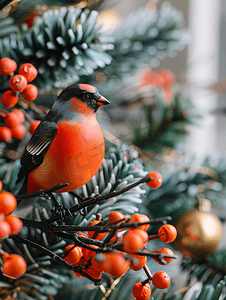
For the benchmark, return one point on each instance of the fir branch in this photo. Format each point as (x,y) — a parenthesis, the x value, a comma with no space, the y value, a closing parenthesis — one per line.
(62,45)
(121,163)
(141,40)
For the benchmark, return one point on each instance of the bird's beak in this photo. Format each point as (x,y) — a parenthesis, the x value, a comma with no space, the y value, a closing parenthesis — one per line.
(102,101)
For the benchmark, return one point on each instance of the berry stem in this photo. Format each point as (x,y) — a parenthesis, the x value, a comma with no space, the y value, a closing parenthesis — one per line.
(110,236)
(159,256)
(54,256)
(153,237)
(148,273)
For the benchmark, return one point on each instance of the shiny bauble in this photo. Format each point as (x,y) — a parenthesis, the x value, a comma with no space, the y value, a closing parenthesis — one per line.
(198,233)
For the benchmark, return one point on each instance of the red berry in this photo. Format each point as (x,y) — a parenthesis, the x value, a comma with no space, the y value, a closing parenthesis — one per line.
(166,78)
(100,235)
(141,292)
(9,99)
(14,266)
(167,233)
(5,229)
(74,255)
(140,218)
(134,240)
(165,251)
(15,224)
(5,256)
(156,180)
(98,261)
(18,83)
(117,265)
(93,273)
(87,253)
(18,132)
(82,234)
(11,120)
(7,66)
(20,114)
(5,134)
(82,261)
(33,126)
(30,93)
(138,261)
(28,71)
(113,263)
(7,203)
(161,280)
(0,185)
(115,216)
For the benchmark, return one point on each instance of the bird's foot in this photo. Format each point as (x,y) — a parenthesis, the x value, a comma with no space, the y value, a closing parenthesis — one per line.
(62,211)
(59,209)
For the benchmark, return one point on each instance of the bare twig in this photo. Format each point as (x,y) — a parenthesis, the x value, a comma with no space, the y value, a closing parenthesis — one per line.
(53,255)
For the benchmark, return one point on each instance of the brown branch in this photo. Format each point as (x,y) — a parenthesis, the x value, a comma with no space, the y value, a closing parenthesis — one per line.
(54,256)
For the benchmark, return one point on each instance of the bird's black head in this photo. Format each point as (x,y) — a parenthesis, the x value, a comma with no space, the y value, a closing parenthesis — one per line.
(86,93)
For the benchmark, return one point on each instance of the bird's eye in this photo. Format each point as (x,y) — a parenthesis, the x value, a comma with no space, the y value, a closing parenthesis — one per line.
(86,97)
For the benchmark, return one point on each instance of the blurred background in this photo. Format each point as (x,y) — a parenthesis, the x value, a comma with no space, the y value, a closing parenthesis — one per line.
(201,63)
(162,66)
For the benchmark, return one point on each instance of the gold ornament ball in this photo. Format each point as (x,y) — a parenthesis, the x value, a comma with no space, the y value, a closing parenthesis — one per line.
(198,233)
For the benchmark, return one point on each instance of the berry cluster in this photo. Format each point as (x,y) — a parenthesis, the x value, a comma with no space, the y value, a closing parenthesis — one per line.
(13,265)
(13,127)
(122,245)
(9,225)
(142,290)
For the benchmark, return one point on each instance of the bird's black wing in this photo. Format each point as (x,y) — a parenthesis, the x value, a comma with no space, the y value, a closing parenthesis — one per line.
(37,147)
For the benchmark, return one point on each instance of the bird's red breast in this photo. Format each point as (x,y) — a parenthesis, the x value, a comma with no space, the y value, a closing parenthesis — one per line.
(74,156)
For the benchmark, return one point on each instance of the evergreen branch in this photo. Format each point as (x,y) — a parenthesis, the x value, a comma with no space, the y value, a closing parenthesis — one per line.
(141,40)
(144,35)
(63,44)
(120,163)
